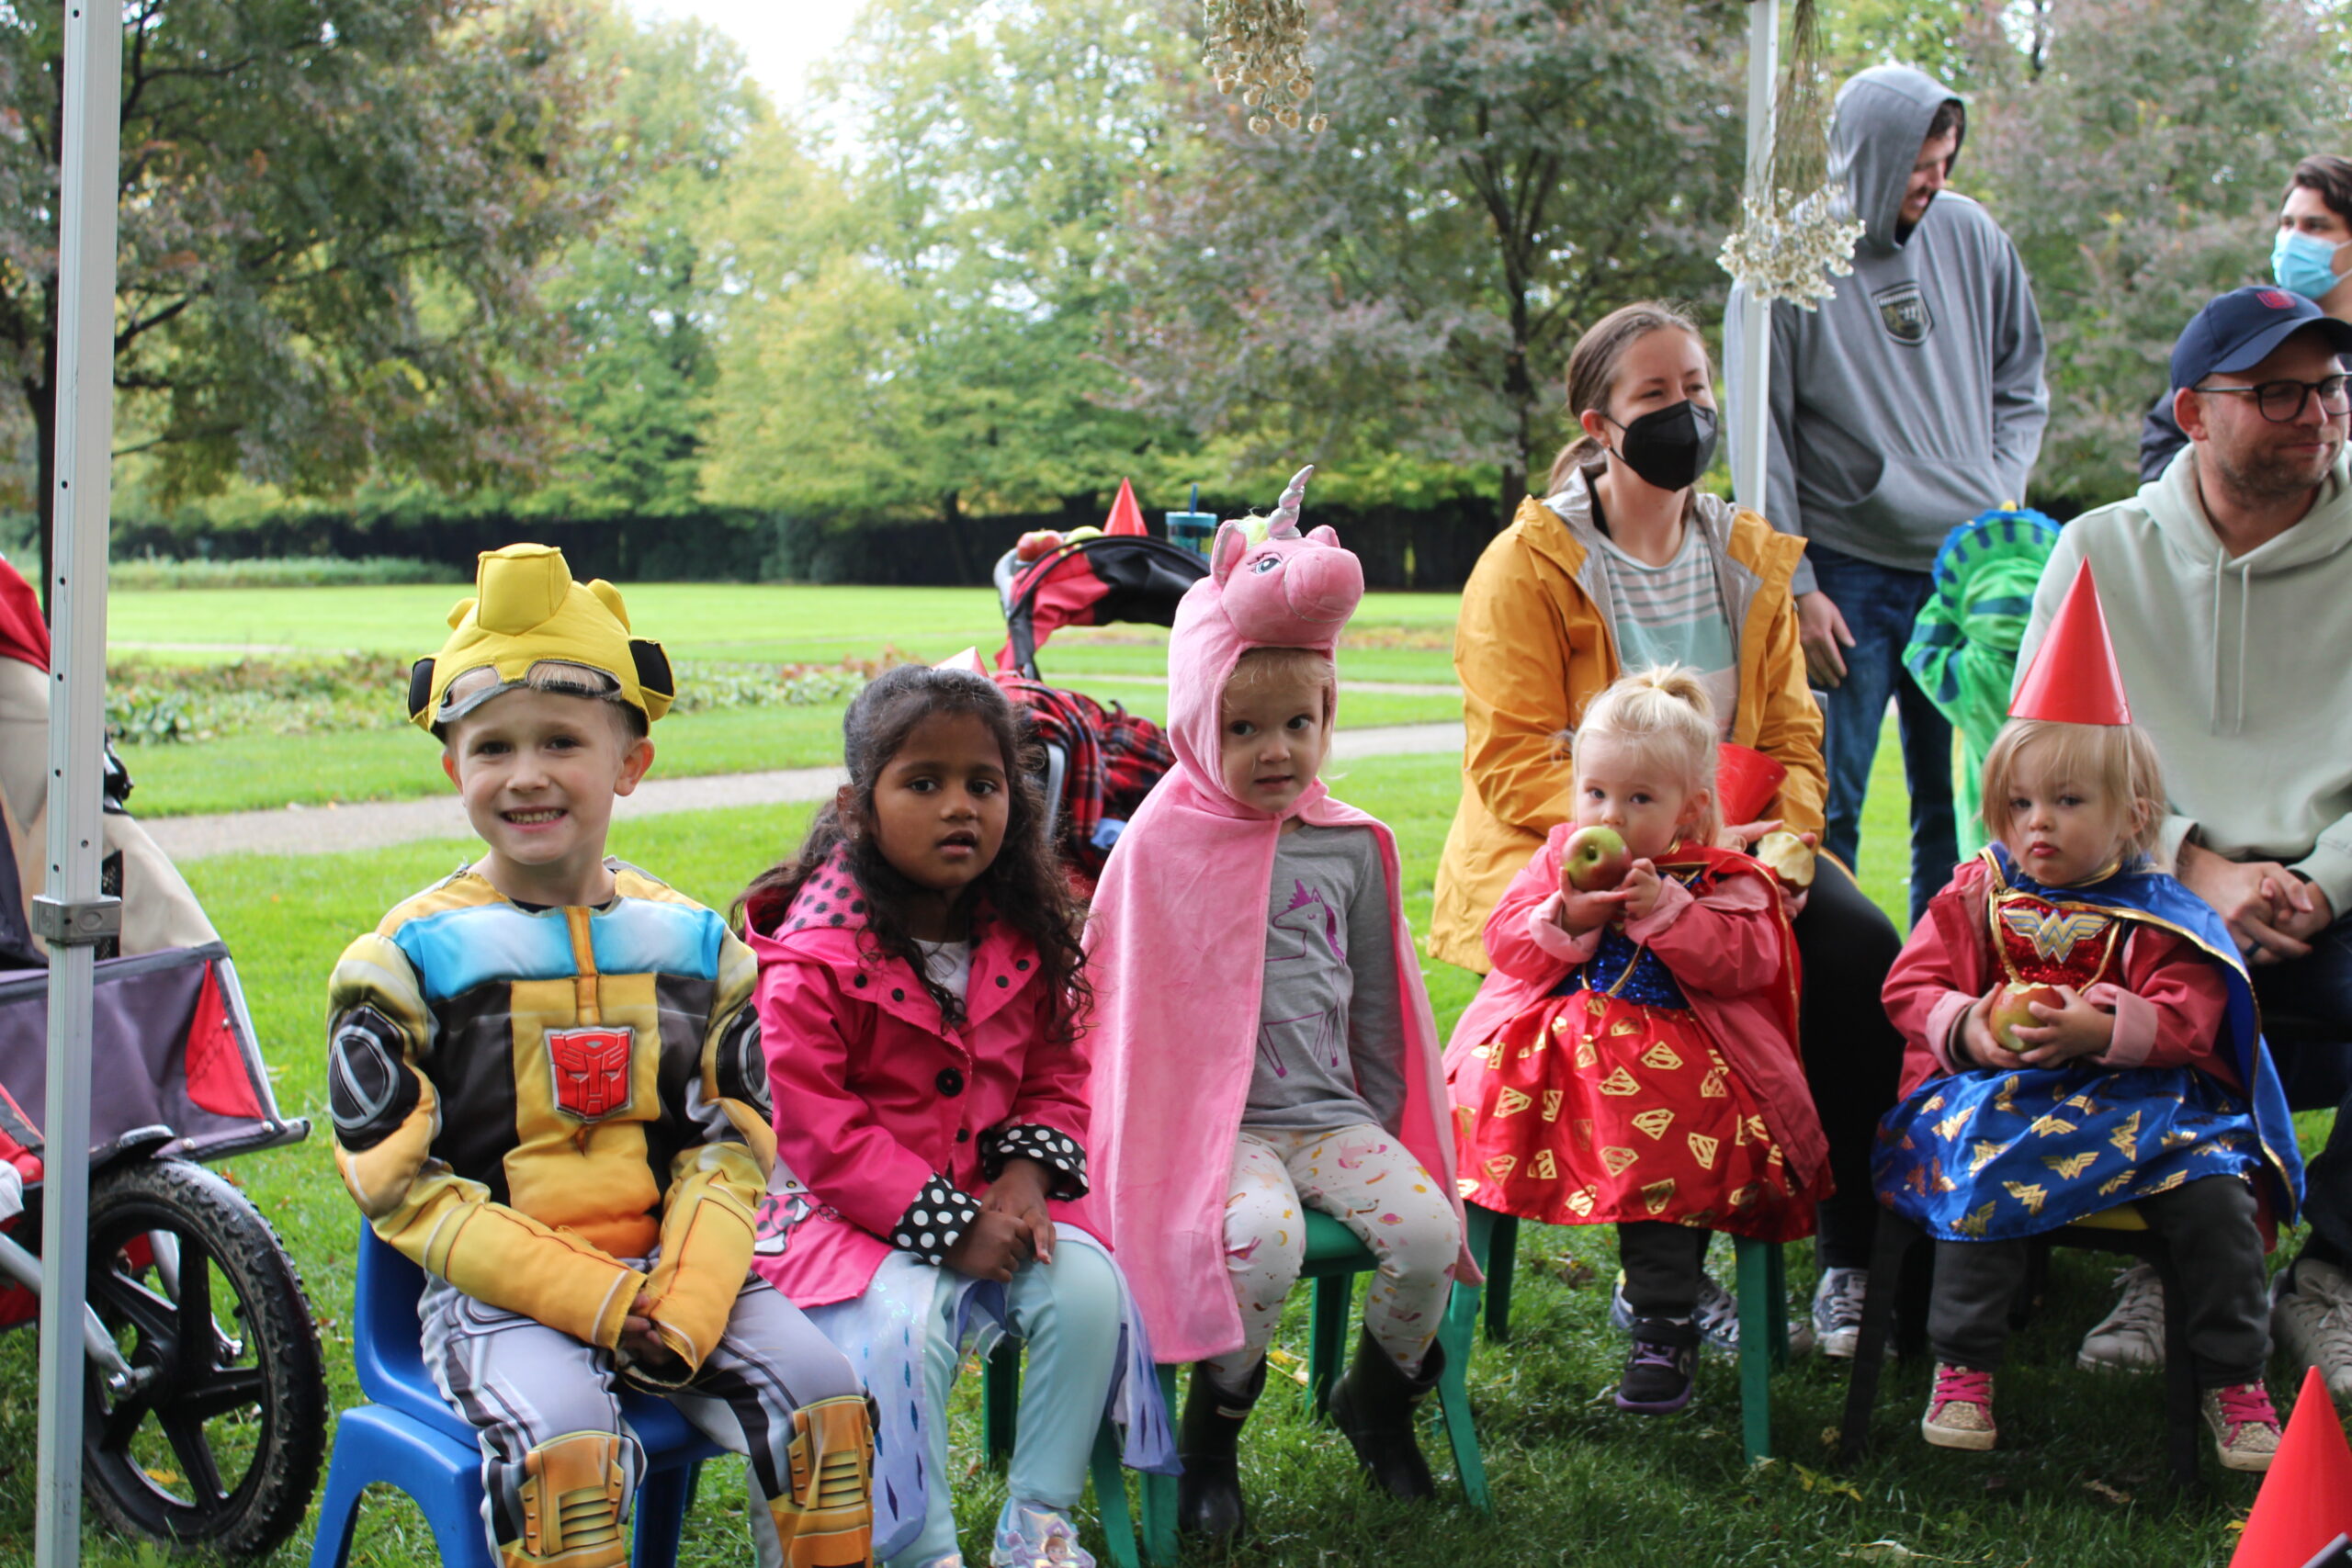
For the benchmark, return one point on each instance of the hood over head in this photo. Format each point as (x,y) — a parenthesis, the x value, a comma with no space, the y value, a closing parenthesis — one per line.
(1875,132)
(1280,589)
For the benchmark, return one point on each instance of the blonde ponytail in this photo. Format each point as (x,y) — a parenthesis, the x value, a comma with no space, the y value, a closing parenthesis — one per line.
(1664,714)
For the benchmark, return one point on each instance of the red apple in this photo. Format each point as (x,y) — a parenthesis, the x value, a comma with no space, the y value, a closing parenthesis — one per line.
(1787,857)
(2012,1012)
(1595,859)
(1030,547)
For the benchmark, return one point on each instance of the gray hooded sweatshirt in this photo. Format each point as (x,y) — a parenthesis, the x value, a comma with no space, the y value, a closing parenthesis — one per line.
(2234,665)
(1914,400)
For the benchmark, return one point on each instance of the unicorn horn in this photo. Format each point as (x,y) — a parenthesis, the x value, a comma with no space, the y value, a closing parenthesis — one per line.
(1284,524)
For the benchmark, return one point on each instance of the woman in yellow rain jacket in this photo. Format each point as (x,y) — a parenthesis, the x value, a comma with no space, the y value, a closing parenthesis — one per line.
(1626,564)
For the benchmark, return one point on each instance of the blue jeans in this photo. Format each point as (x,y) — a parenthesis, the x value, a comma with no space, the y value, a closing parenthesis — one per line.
(2307,1016)
(1879,603)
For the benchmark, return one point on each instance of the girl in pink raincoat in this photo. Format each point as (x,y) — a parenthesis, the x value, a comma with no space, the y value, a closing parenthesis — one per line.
(918,1000)
(1262,1041)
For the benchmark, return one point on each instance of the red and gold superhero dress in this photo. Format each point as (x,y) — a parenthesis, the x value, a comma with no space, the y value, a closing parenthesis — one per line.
(1607,1100)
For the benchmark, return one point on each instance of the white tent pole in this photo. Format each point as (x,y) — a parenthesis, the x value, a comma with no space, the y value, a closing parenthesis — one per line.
(71,915)
(1755,329)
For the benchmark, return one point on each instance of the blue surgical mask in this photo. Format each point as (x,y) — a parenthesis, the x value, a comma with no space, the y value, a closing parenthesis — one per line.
(2303,264)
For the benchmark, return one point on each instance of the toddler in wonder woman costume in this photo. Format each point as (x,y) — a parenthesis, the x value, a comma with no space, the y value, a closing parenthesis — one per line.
(1649,1074)
(2135,1076)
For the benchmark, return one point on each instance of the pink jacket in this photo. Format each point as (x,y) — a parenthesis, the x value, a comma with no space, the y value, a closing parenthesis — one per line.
(874,1095)
(1176,952)
(1730,951)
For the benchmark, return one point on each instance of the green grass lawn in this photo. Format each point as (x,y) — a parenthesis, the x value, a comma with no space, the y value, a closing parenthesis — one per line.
(2078,1481)
(258,770)
(692,620)
(1406,637)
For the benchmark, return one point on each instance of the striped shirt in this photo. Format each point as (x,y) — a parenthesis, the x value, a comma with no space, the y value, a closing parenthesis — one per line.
(1674,614)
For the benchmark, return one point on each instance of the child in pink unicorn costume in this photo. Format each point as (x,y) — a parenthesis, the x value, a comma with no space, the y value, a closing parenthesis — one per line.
(1240,1076)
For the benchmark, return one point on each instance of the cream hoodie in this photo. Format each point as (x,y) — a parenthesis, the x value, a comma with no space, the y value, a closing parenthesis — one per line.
(2240,669)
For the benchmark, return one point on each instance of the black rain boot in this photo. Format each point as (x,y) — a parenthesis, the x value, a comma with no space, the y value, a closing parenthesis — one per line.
(1373,1405)
(1208,1495)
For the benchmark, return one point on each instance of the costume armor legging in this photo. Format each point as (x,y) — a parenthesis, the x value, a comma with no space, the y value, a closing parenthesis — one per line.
(1367,1180)
(530,1391)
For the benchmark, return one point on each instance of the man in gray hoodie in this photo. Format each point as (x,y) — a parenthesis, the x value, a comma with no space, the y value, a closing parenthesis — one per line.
(1902,408)
(2227,584)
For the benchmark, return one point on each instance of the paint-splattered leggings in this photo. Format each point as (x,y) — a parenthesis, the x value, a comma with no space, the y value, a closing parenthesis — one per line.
(1365,1179)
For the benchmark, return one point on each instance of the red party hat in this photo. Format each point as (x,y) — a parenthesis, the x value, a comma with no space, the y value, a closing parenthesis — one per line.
(1126,518)
(2306,1500)
(2074,678)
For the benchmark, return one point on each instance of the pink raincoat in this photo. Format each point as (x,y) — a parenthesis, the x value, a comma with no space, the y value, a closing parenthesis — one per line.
(873,1093)
(1755,1027)
(1176,952)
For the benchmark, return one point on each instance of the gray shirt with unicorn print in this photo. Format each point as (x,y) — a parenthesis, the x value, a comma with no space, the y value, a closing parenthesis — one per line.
(1330,1047)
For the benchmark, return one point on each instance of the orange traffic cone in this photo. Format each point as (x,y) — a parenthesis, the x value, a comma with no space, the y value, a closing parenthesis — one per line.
(1126,517)
(2306,1500)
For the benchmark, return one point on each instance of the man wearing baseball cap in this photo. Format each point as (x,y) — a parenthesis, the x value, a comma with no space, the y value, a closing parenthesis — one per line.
(2228,585)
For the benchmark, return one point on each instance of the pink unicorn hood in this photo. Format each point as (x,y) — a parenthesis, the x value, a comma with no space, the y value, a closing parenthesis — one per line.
(1176,946)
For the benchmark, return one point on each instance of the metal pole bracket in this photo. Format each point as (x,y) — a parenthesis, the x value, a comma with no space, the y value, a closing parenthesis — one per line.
(66,922)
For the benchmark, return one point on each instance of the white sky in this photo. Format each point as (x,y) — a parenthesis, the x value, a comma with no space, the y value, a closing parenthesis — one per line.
(782,37)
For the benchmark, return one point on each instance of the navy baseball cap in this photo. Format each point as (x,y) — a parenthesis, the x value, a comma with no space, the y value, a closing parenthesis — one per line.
(2239,330)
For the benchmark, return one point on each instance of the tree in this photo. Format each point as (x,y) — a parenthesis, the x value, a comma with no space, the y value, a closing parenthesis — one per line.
(2139,172)
(1494,178)
(332,216)
(907,327)
(635,299)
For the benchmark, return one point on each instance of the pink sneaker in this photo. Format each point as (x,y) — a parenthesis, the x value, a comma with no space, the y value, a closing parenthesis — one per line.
(1960,1411)
(2246,1429)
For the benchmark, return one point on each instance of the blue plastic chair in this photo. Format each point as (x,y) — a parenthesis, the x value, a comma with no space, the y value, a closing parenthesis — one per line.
(409,1438)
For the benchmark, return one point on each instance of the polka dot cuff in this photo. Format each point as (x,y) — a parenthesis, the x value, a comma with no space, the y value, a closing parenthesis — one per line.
(940,1213)
(1057,1152)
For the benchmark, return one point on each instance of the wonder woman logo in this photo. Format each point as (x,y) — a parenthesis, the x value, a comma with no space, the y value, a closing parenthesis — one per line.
(2055,934)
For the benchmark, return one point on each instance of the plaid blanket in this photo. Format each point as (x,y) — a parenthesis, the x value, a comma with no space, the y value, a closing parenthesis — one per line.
(1113,758)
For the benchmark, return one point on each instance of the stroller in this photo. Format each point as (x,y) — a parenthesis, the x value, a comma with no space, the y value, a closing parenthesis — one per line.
(205,1414)
(1099,763)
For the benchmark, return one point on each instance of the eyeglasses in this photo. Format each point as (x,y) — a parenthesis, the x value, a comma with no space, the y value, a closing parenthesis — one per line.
(2281,402)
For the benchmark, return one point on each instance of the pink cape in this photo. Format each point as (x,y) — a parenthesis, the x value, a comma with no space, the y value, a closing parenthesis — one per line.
(1176,952)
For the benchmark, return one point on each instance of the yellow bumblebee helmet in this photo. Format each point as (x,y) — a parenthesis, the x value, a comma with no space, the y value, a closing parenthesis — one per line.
(529,624)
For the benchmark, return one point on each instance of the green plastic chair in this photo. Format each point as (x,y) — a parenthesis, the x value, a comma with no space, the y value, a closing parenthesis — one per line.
(1763,1315)
(1334,1258)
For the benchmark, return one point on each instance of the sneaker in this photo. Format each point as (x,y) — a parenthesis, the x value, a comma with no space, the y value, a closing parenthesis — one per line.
(1032,1537)
(1960,1411)
(1717,1316)
(1657,1379)
(2246,1429)
(2132,1337)
(1837,1311)
(2310,1318)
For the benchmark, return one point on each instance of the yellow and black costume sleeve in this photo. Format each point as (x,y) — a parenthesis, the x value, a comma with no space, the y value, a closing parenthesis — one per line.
(525,1101)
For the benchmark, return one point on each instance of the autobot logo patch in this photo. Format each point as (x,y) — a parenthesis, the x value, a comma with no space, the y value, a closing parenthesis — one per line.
(590,1070)
(1904,310)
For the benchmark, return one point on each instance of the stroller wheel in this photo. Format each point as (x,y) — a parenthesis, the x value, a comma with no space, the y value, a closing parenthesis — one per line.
(214,1438)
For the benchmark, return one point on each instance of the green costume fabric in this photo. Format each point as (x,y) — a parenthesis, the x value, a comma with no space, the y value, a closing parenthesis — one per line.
(1964,649)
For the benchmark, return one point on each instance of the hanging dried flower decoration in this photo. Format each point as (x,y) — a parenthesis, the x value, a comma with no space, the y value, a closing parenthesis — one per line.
(1258,48)
(1787,246)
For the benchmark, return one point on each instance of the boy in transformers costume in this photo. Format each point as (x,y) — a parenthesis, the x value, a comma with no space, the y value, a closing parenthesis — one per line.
(549,1093)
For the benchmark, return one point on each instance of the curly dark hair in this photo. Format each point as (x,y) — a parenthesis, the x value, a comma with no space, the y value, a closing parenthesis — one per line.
(1024,886)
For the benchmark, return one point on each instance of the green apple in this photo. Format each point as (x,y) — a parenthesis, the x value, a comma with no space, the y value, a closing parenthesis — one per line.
(1595,859)
(2012,1010)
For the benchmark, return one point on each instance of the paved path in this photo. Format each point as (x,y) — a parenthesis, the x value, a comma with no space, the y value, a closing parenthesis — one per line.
(1389,688)
(332,829)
